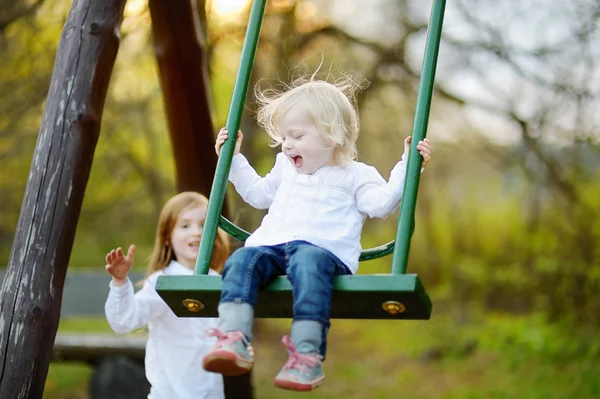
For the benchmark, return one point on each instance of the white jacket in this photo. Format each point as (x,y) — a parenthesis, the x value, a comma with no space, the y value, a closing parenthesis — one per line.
(175,345)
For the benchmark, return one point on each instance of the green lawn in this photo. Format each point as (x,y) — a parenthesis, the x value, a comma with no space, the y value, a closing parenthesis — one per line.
(491,357)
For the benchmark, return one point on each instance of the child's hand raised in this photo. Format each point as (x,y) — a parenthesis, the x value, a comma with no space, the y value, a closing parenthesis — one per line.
(118,264)
(222,136)
(424,148)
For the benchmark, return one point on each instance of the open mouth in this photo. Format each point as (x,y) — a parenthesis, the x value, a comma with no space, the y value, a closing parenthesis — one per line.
(297,161)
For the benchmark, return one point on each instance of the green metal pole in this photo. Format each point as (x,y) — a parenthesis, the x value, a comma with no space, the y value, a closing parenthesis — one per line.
(219,186)
(409,198)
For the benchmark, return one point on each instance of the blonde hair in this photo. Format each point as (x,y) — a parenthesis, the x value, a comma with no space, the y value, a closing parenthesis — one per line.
(331,106)
(163,253)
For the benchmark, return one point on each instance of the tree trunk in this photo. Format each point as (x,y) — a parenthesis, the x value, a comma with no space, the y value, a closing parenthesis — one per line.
(181,56)
(31,294)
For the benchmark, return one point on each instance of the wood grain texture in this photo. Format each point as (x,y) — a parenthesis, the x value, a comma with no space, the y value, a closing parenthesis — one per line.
(182,65)
(30,298)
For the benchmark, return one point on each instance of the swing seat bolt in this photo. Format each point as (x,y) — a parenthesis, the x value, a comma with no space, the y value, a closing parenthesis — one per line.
(193,305)
(393,307)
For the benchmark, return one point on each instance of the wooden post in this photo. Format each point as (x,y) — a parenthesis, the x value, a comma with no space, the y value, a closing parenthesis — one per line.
(181,57)
(30,297)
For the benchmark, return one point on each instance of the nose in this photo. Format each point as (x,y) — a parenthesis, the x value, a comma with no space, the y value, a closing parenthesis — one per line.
(287,144)
(197,230)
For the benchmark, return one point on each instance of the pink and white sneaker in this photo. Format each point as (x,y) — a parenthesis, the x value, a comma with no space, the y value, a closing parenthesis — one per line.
(302,371)
(231,355)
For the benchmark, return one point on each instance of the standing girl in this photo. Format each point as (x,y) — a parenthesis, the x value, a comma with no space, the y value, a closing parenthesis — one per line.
(318,198)
(175,345)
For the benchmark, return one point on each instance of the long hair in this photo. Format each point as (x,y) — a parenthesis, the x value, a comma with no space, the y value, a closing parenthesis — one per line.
(163,253)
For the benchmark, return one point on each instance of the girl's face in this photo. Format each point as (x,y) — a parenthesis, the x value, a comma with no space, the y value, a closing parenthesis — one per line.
(185,237)
(302,143)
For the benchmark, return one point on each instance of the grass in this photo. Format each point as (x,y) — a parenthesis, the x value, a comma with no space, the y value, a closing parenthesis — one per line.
(493,357)
(438,359)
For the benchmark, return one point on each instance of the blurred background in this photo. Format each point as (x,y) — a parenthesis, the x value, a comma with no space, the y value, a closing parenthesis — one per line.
(507,238)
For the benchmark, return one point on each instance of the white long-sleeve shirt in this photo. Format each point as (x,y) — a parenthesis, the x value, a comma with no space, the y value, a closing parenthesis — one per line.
(175,346)
(327,208)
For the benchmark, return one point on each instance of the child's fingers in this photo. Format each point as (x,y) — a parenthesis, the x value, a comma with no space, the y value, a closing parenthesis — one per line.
(424,150)
(407,144)
(223,133)
(424,144)
(131,252)
(220,141)
(110,257)
(424,147)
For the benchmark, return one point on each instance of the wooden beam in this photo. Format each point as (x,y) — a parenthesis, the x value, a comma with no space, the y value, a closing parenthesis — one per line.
(31,293)
(182,65)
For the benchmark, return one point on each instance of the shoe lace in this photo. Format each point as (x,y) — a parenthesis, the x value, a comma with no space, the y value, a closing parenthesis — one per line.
(296,360)
(225,338)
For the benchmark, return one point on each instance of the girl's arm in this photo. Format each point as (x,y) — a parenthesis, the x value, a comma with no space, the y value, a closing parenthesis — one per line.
(377,198)
(374,196)
(257,191)
(126,311)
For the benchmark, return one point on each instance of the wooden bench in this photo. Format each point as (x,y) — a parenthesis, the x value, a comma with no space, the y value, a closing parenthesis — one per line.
(91,348)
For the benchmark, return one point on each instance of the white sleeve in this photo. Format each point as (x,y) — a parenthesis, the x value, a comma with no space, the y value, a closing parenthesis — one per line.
(126,311)
(376,197)
(257,191)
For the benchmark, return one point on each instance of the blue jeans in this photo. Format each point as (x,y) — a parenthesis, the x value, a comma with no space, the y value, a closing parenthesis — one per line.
(309,268)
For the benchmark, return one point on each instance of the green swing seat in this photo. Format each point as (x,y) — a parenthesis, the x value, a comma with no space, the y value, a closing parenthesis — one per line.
(394,296)
(382,296)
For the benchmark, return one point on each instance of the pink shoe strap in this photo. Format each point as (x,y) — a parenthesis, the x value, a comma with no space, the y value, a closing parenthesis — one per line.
(225,337)
(297,360)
